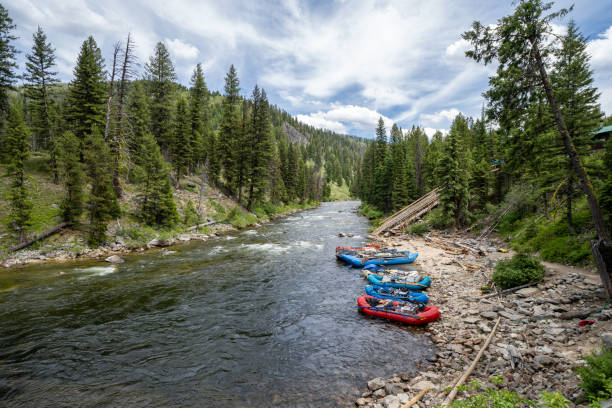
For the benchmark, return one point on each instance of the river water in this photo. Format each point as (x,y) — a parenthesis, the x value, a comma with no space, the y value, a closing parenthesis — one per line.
(262,317)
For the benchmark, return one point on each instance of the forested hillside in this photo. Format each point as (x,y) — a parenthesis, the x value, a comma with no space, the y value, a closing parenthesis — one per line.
(118,142)
(509,169)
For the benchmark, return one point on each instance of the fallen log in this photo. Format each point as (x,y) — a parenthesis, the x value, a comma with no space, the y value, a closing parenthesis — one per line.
(201,225)
(45,234)
(514,289)
(464,377)
(416,397)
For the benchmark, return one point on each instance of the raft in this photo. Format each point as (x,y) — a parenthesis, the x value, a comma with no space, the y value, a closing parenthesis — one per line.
(392,312)
(395,294)
(421,285)
(378,259)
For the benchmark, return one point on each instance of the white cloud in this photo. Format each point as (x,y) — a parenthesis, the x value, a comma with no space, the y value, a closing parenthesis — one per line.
(181,49)
(446,115)
(430,131)
(347,117)
(601,63)
(318,120)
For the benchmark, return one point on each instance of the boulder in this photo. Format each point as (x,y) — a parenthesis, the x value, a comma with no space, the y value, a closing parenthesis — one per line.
(153,243)
(471,320)
(114,259)
(510,316)
(607,340)
(488,315)
(527,292)
(361,402)
(392,389)
(379,393)
(391,401)
(422,384)
(403,398)
(376,384)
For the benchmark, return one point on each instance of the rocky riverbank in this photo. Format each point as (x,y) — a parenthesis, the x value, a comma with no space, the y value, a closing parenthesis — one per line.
(538,342)
(74,248)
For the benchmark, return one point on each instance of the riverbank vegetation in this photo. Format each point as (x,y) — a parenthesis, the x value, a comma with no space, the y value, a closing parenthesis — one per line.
(117,146)
(510,170)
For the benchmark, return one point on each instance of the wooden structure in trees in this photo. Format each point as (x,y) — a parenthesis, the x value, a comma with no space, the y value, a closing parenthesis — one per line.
(409,213)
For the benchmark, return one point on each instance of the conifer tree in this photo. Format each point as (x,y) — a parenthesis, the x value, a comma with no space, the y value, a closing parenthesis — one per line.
(399,194)
(182,152)
(17,134)
(40,79)
(454,176)
(214,162)
(198,115)
(160,73)
(157,200)
(479,184)
(291,183)
(68,151)
(138,119)
(259,146)
(86,94)
(103,205)
(229,132)
(8,64)
(381,143)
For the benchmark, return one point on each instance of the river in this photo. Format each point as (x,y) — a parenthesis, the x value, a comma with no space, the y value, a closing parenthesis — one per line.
(262,317)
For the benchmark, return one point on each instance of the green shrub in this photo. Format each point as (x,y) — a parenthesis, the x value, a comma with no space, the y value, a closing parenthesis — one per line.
(190,215)
(519,270)
(370,212)
(504,398)
(596,375)
(567,250)
(240,218)
(420,228)
(438,220)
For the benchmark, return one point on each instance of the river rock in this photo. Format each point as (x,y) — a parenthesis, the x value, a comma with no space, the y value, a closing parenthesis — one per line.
(471,320)
(527,292)
(393,388)
(391,401)
(544,360)
(379,393)
(114,259)
(342,234)
(488,315)
(361,401)
(421,385)
(376,384)
(153,243)
(403,398)
(607,340)
(510,316)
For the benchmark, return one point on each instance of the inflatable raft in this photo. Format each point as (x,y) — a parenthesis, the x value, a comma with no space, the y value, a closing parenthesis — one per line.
(378,258)
(378,280)
(396,311)
(395,294)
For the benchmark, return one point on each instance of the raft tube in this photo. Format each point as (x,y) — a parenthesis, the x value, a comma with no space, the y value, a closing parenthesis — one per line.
(428,314)
(390,293)
(377,259)
(421,285)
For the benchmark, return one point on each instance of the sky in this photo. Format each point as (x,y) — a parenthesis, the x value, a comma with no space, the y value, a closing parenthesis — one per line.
(338,65)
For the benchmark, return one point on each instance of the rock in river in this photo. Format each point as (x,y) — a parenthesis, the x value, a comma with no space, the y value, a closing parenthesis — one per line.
(114,259)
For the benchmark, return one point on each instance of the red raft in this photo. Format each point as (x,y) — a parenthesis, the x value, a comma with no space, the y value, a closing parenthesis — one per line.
(367,304)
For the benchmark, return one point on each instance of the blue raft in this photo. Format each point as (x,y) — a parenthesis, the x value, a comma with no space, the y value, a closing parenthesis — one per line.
(421,285)
(379,259)
(390,293)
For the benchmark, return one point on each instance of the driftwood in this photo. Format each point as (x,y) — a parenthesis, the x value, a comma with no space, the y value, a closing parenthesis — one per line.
(201,225)
(465,375)
(45,234)
(514,289)
(416,397)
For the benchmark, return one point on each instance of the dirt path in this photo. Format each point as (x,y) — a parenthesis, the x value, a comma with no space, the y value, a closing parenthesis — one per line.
(537,345)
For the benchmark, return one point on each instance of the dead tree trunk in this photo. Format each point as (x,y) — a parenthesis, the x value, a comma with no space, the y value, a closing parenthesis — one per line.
(45,234)
(602,250)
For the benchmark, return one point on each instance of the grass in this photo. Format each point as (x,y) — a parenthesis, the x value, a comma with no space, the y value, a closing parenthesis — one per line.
(339,193)
(551,239)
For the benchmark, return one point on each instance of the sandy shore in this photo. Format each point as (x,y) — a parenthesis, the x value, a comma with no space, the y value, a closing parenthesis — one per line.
(536,346)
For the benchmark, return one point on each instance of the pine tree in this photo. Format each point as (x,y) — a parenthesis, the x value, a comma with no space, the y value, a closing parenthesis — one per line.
(40,79)
(138,119)
(87,94)
(399,194)
(454,176)
(17,134)
(182,151)
(291,183)
(160,73)
(8,64)
(198,115)
(479,185)
(103,205)
(381,143)
(572,80)
(157,200)
(259,146)
(229,132)
(214,162)
(68,151)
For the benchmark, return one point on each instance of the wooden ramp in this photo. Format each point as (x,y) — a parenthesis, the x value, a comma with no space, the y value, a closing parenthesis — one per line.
(409,213)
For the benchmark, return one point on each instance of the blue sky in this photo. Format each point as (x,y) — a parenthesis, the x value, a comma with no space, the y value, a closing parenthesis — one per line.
(334,64)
